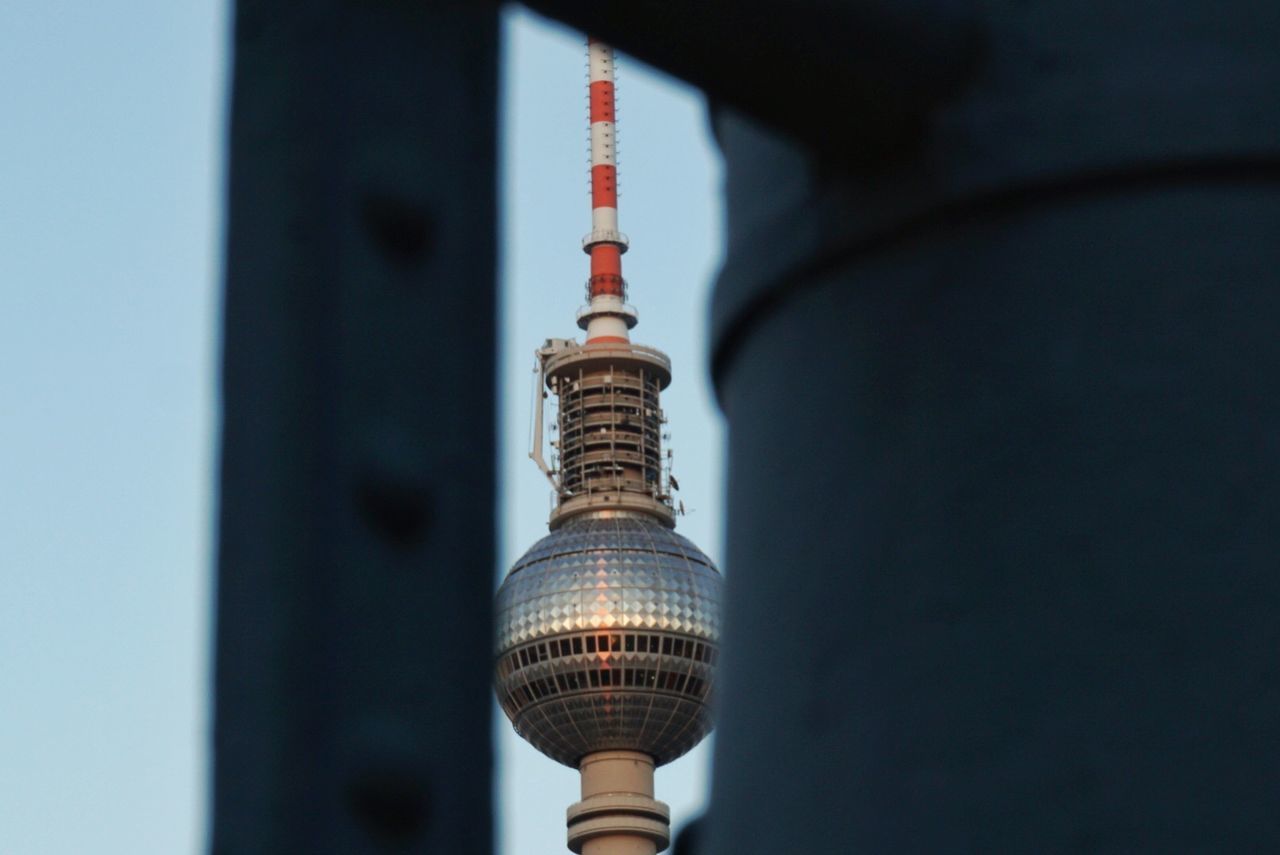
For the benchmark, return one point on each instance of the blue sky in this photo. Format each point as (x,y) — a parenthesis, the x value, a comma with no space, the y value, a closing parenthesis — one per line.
(111,164)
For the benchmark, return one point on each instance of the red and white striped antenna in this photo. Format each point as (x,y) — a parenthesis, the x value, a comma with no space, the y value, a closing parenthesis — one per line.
(607,317)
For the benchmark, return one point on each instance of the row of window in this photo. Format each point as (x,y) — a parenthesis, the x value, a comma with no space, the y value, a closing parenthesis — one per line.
(579,645)
(596,483)
(611,375)
(606,455)
(626,678)
(614,476)
(594,408)
(588,406)
(633,394)
(600,446)
(622,438)
(622,381)
(572,428)
(598,400)
(594,402)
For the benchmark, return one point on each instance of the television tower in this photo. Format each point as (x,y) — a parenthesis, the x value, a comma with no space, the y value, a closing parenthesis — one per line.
(608,627)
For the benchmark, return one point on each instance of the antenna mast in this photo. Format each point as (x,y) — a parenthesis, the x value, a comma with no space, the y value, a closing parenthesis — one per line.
(607,317)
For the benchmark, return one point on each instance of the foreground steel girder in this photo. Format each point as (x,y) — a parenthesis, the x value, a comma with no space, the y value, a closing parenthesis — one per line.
(847,78)
(1001,572)
(1004,496)
(355,557)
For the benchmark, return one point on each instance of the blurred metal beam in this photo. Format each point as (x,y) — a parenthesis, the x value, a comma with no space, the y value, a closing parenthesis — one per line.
(1004,497)
(1004,511)
(355,561)
(852,78)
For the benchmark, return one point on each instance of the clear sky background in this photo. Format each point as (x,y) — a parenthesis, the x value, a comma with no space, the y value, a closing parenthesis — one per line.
(111,161)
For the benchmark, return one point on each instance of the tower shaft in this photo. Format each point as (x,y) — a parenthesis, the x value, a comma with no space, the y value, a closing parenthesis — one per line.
(618,814)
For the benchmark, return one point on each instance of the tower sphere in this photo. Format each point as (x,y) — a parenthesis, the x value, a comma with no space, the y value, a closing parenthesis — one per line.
(607,639)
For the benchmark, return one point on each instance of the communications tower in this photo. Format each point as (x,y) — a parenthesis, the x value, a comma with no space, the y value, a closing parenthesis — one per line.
(608,627)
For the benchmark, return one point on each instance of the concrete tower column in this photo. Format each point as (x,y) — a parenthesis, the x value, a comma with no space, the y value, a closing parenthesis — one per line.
(618,814)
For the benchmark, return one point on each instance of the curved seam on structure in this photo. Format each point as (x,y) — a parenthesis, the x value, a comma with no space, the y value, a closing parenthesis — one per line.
(809,275)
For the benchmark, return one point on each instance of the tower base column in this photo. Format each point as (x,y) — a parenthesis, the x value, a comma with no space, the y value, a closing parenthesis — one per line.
(618,814)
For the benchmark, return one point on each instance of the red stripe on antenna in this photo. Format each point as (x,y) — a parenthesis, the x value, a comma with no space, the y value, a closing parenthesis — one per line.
(602,101)
(605,260)
(604,186)
(604,246)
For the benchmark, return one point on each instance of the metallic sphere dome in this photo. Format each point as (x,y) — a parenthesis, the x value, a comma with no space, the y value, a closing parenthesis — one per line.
(608,632)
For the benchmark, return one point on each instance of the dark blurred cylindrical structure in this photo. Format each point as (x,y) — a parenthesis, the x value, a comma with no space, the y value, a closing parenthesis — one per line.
(1004,500)
(1003,564)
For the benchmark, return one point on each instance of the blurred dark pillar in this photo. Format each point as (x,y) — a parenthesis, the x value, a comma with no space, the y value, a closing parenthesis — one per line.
(356,511)
(1004,436)
(1003,557)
